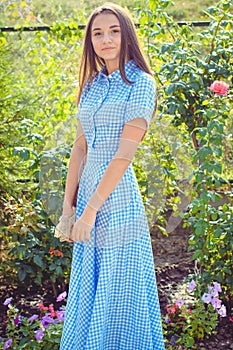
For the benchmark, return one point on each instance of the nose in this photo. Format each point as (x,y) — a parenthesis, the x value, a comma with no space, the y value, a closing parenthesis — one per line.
(106,37)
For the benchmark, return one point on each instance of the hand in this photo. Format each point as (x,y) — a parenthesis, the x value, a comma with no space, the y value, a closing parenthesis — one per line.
(64,227)
(82,227)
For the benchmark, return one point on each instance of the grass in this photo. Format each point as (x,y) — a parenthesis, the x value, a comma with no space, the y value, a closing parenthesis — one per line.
(46,12)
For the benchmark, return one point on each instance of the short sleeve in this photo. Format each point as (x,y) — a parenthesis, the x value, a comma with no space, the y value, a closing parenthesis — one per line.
(142,100)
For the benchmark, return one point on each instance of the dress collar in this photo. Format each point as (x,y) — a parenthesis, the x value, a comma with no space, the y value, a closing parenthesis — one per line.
(130,67)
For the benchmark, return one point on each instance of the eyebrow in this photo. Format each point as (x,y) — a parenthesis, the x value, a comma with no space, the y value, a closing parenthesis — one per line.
(113,26)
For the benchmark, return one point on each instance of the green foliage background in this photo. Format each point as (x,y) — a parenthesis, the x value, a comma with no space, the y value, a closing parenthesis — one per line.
(46,12)
(188,145)
(183,166)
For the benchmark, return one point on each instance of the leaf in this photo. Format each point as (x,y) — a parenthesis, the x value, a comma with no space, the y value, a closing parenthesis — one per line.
(22,275)
(170,89)
(204,152)
(38,261)
(197,255)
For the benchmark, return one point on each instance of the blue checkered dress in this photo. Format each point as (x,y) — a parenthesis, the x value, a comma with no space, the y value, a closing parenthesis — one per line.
(113,300)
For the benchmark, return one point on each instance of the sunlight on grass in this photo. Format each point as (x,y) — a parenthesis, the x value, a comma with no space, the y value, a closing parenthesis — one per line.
(46,12)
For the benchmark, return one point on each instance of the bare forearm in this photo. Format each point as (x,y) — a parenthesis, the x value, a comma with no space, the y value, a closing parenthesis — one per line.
(76,164)
(131,136)
(111,177)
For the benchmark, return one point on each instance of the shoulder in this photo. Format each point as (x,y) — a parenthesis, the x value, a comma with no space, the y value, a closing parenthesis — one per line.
(87,86)
(143,83)
(143,78)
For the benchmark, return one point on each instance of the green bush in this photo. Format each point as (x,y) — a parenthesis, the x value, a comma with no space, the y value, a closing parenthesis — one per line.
(186,63)
(31,209)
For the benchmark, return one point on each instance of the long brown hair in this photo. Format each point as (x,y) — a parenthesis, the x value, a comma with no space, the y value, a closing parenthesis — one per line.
(90,63)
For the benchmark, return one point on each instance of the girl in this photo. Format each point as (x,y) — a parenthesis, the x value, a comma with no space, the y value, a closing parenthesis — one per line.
(113,301)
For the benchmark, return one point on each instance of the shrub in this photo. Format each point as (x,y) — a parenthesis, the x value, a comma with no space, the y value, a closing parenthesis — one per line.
(39,331)
(186,64)
(187,324)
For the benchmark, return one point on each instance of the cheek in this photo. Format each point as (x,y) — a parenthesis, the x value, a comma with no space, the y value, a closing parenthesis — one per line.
(118,41)
(95,45)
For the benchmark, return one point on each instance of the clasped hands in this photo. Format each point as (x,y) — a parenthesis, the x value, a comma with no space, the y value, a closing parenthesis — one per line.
(77,230)
(81,230)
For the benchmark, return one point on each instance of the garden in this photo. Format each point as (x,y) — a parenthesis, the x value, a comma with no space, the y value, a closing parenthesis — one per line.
(184,168)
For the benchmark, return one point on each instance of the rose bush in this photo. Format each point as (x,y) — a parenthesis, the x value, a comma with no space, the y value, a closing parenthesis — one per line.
(194,74)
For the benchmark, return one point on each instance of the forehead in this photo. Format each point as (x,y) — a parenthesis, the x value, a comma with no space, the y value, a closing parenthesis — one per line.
(105,20)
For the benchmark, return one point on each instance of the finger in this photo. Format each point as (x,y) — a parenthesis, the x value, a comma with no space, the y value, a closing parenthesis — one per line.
(88,236)
(73,234)
(77,233)
(85,237)
(82,236)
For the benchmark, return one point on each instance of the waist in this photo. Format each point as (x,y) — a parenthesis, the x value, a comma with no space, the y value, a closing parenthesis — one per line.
(101,156)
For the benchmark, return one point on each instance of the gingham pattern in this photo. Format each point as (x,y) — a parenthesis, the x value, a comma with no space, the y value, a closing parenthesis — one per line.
(104,109)
(113,301)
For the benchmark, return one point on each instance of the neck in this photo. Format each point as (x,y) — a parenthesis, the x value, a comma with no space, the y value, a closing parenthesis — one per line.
(111,66)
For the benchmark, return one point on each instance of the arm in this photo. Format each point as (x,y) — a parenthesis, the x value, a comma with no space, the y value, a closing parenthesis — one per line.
(132,134)
(76,165)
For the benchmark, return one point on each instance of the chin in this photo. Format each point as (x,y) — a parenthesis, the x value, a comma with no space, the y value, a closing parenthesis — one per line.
(109,58)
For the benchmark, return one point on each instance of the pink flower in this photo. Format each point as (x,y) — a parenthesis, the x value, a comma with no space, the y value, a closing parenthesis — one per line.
(39,334)
(179,302)
(192,285)
(17,320)
(206,298)
(212,292)
(222,311)
(7,344)
(172,310)
(61,315)
(216,303)
(61,296)
(7,301)
(42,307)
(32,318)
(219,87)
(217,287)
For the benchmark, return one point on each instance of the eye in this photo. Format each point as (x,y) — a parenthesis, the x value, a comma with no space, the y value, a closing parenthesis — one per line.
(97,33)
(116,31)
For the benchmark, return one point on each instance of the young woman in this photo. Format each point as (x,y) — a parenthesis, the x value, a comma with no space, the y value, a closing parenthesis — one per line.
(113,301)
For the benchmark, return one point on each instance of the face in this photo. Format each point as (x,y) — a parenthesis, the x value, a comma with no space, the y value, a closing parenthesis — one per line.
(106,39)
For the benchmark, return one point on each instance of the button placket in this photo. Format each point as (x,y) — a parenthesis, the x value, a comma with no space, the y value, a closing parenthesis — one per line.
(104,93)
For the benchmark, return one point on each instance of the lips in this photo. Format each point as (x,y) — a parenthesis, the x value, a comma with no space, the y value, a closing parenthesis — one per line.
(107,48)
